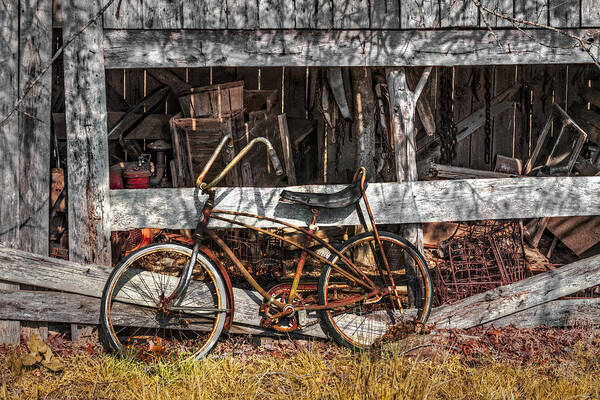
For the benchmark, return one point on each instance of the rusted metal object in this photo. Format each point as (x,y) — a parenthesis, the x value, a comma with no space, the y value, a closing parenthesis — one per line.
(479,258)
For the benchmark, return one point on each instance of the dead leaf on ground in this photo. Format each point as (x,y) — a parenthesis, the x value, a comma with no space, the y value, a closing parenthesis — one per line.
(39,354)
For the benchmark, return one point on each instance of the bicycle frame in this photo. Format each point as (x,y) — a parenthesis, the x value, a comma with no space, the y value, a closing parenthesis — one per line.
(348,270)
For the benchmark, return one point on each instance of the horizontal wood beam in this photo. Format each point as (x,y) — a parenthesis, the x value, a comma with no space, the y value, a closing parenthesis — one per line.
(392,203)
(89,280)
(557,314)
(155,126)
(487,307)
(201,48)
(70,308)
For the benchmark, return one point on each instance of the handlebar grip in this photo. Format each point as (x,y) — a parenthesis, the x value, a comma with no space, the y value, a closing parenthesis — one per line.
(276,163)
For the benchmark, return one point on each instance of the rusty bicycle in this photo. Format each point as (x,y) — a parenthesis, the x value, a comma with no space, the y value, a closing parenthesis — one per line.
(177,297)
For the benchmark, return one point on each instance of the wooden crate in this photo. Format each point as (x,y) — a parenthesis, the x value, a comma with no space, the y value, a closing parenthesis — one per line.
(260,104)
(199,137)
(213,101)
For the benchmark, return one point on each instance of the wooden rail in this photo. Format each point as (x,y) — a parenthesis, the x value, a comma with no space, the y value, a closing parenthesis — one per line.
(339,14)
(525,303)
(392,203)
(198,48)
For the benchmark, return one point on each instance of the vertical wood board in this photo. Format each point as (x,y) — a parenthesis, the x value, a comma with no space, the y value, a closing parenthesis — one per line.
(123,14)
(420,14)
(351,14)
(590,13)
(459,13)
(564,13)
(385,14)
(242,14)
(162,14)
(205,14)
(462,108)
(477,89)
(35,50)
(276,14)
(535,11)
(503,123)
(87,144)
(502,7)
(9,143)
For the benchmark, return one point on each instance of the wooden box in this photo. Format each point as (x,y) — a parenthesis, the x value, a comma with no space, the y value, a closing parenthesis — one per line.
(214,101)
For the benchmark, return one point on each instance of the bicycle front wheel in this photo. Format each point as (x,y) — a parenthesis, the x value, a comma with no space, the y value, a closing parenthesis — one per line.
(136,318)
(361,324)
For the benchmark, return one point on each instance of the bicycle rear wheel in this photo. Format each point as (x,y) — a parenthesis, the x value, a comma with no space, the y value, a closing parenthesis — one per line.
(361,324)
(136,319)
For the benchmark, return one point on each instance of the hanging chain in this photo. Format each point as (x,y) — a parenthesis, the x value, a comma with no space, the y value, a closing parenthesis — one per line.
(447,131)
(488,115)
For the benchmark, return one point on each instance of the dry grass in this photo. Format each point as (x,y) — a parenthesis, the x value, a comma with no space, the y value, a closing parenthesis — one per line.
(315,371)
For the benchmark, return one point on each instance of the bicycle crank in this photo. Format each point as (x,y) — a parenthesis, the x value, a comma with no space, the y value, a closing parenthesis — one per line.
(288,320)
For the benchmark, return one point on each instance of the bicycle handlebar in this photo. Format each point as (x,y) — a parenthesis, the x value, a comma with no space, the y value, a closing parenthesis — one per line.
(227,139)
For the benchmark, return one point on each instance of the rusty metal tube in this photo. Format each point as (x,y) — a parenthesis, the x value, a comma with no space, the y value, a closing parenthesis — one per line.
(211,161)
(274,160)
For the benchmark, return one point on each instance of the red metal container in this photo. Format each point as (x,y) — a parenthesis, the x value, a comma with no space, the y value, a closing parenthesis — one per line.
(136,178)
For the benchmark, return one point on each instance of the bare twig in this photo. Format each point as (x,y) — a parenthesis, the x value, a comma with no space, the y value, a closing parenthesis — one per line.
(33,82)
(487,24)
(516,22)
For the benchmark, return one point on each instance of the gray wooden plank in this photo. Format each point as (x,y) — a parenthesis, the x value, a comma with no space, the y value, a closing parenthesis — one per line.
(535,11)
(311,14)
(162,14)
(502,7)
(24,305)
(306,14)
(489,306)
(324,14)
(557,313)
(34,124)
(9,129)
(590,13)
(350,14)
(87,144)
(403,102)
(459,13)
(564,13)
(205,14)
(415,202)
(276,14)
(89,280)
(419,14)
(385,14)
(9,144)
(123,14)
(503,138)
(35,52)
(243,14)
(164,48)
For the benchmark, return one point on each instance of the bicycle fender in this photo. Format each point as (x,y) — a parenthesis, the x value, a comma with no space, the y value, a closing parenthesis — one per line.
(230,300)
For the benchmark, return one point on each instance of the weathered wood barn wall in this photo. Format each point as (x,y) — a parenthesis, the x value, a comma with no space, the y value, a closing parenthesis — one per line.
(277,44)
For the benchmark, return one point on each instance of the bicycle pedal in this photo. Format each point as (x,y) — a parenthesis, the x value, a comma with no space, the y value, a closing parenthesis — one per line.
(302,318)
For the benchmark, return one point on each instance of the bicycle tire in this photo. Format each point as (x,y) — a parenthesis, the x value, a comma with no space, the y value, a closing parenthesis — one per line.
(361,325)
(131,299)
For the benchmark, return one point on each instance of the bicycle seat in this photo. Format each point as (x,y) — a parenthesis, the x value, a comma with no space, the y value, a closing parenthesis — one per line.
(344,198)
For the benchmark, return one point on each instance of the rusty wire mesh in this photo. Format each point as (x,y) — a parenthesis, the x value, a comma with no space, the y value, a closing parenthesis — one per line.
(480,257)
(262,255)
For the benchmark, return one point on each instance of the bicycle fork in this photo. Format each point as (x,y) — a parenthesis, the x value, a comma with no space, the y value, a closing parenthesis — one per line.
(186,277)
